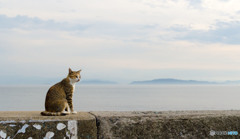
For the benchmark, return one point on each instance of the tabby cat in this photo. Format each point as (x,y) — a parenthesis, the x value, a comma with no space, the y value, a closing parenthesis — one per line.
(59,96)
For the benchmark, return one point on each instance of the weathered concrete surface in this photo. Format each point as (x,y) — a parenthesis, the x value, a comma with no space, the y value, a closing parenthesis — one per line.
(111,125)
(24,125)
(180,124)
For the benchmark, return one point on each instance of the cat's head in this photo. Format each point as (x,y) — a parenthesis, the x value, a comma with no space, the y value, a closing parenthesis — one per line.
(74,75)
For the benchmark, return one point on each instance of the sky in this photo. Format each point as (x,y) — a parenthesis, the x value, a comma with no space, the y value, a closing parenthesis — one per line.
(119,40)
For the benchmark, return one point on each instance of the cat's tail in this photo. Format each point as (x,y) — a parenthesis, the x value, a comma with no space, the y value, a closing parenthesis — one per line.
(46,113)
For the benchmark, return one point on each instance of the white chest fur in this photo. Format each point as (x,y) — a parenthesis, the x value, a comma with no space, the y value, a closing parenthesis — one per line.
(73,85)
(72,82)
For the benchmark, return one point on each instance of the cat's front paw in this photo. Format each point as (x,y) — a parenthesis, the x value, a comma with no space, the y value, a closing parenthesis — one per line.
(74,112)
(65,113)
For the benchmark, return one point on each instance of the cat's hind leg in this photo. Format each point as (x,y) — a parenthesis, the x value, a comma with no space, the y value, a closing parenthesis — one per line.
(66,109)
(57,108)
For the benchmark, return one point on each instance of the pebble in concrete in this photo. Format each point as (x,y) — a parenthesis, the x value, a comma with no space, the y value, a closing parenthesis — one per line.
(72,127)
(61,126)
(3,134)
(23,129)
(12,125)
(38,127)
(49,135)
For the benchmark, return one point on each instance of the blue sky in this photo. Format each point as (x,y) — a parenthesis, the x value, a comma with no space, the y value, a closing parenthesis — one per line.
(119,40)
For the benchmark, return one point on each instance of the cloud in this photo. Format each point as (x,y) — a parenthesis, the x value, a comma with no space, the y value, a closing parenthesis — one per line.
(28,23)
(109,30)
(135,12)
(224,32)
(195,3)
(125,40)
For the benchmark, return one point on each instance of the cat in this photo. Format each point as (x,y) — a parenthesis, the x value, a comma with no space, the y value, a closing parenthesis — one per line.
(59,97)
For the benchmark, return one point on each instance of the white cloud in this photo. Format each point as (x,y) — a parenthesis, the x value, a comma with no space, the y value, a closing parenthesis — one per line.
(164,13)
(119,39)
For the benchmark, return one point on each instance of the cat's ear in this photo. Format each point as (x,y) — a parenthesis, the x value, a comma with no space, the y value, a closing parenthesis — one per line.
(79,71)
(69,70)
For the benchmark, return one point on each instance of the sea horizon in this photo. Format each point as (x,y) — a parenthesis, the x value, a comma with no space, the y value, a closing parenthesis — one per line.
(127,97)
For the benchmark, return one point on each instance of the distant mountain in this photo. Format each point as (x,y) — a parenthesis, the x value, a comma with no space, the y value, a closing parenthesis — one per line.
(172,81)
(231,82)
(97,82)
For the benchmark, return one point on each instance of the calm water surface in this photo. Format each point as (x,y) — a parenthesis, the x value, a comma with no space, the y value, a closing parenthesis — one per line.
(127,97)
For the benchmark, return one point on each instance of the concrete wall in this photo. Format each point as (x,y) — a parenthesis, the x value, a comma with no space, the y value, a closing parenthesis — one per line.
(31,125)
(104,125)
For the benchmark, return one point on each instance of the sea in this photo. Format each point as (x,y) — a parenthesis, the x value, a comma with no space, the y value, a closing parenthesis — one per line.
(127,97)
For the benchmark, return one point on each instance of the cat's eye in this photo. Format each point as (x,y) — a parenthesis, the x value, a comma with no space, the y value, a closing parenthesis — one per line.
(76,76)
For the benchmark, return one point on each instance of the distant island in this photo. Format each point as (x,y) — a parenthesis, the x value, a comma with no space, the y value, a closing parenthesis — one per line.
(178,81)
(164,81)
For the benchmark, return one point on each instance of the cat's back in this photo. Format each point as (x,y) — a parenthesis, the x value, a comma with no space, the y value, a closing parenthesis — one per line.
(56,91)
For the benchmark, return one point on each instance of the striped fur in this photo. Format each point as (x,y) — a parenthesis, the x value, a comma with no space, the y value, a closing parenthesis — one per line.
(46,113)
(59,97)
